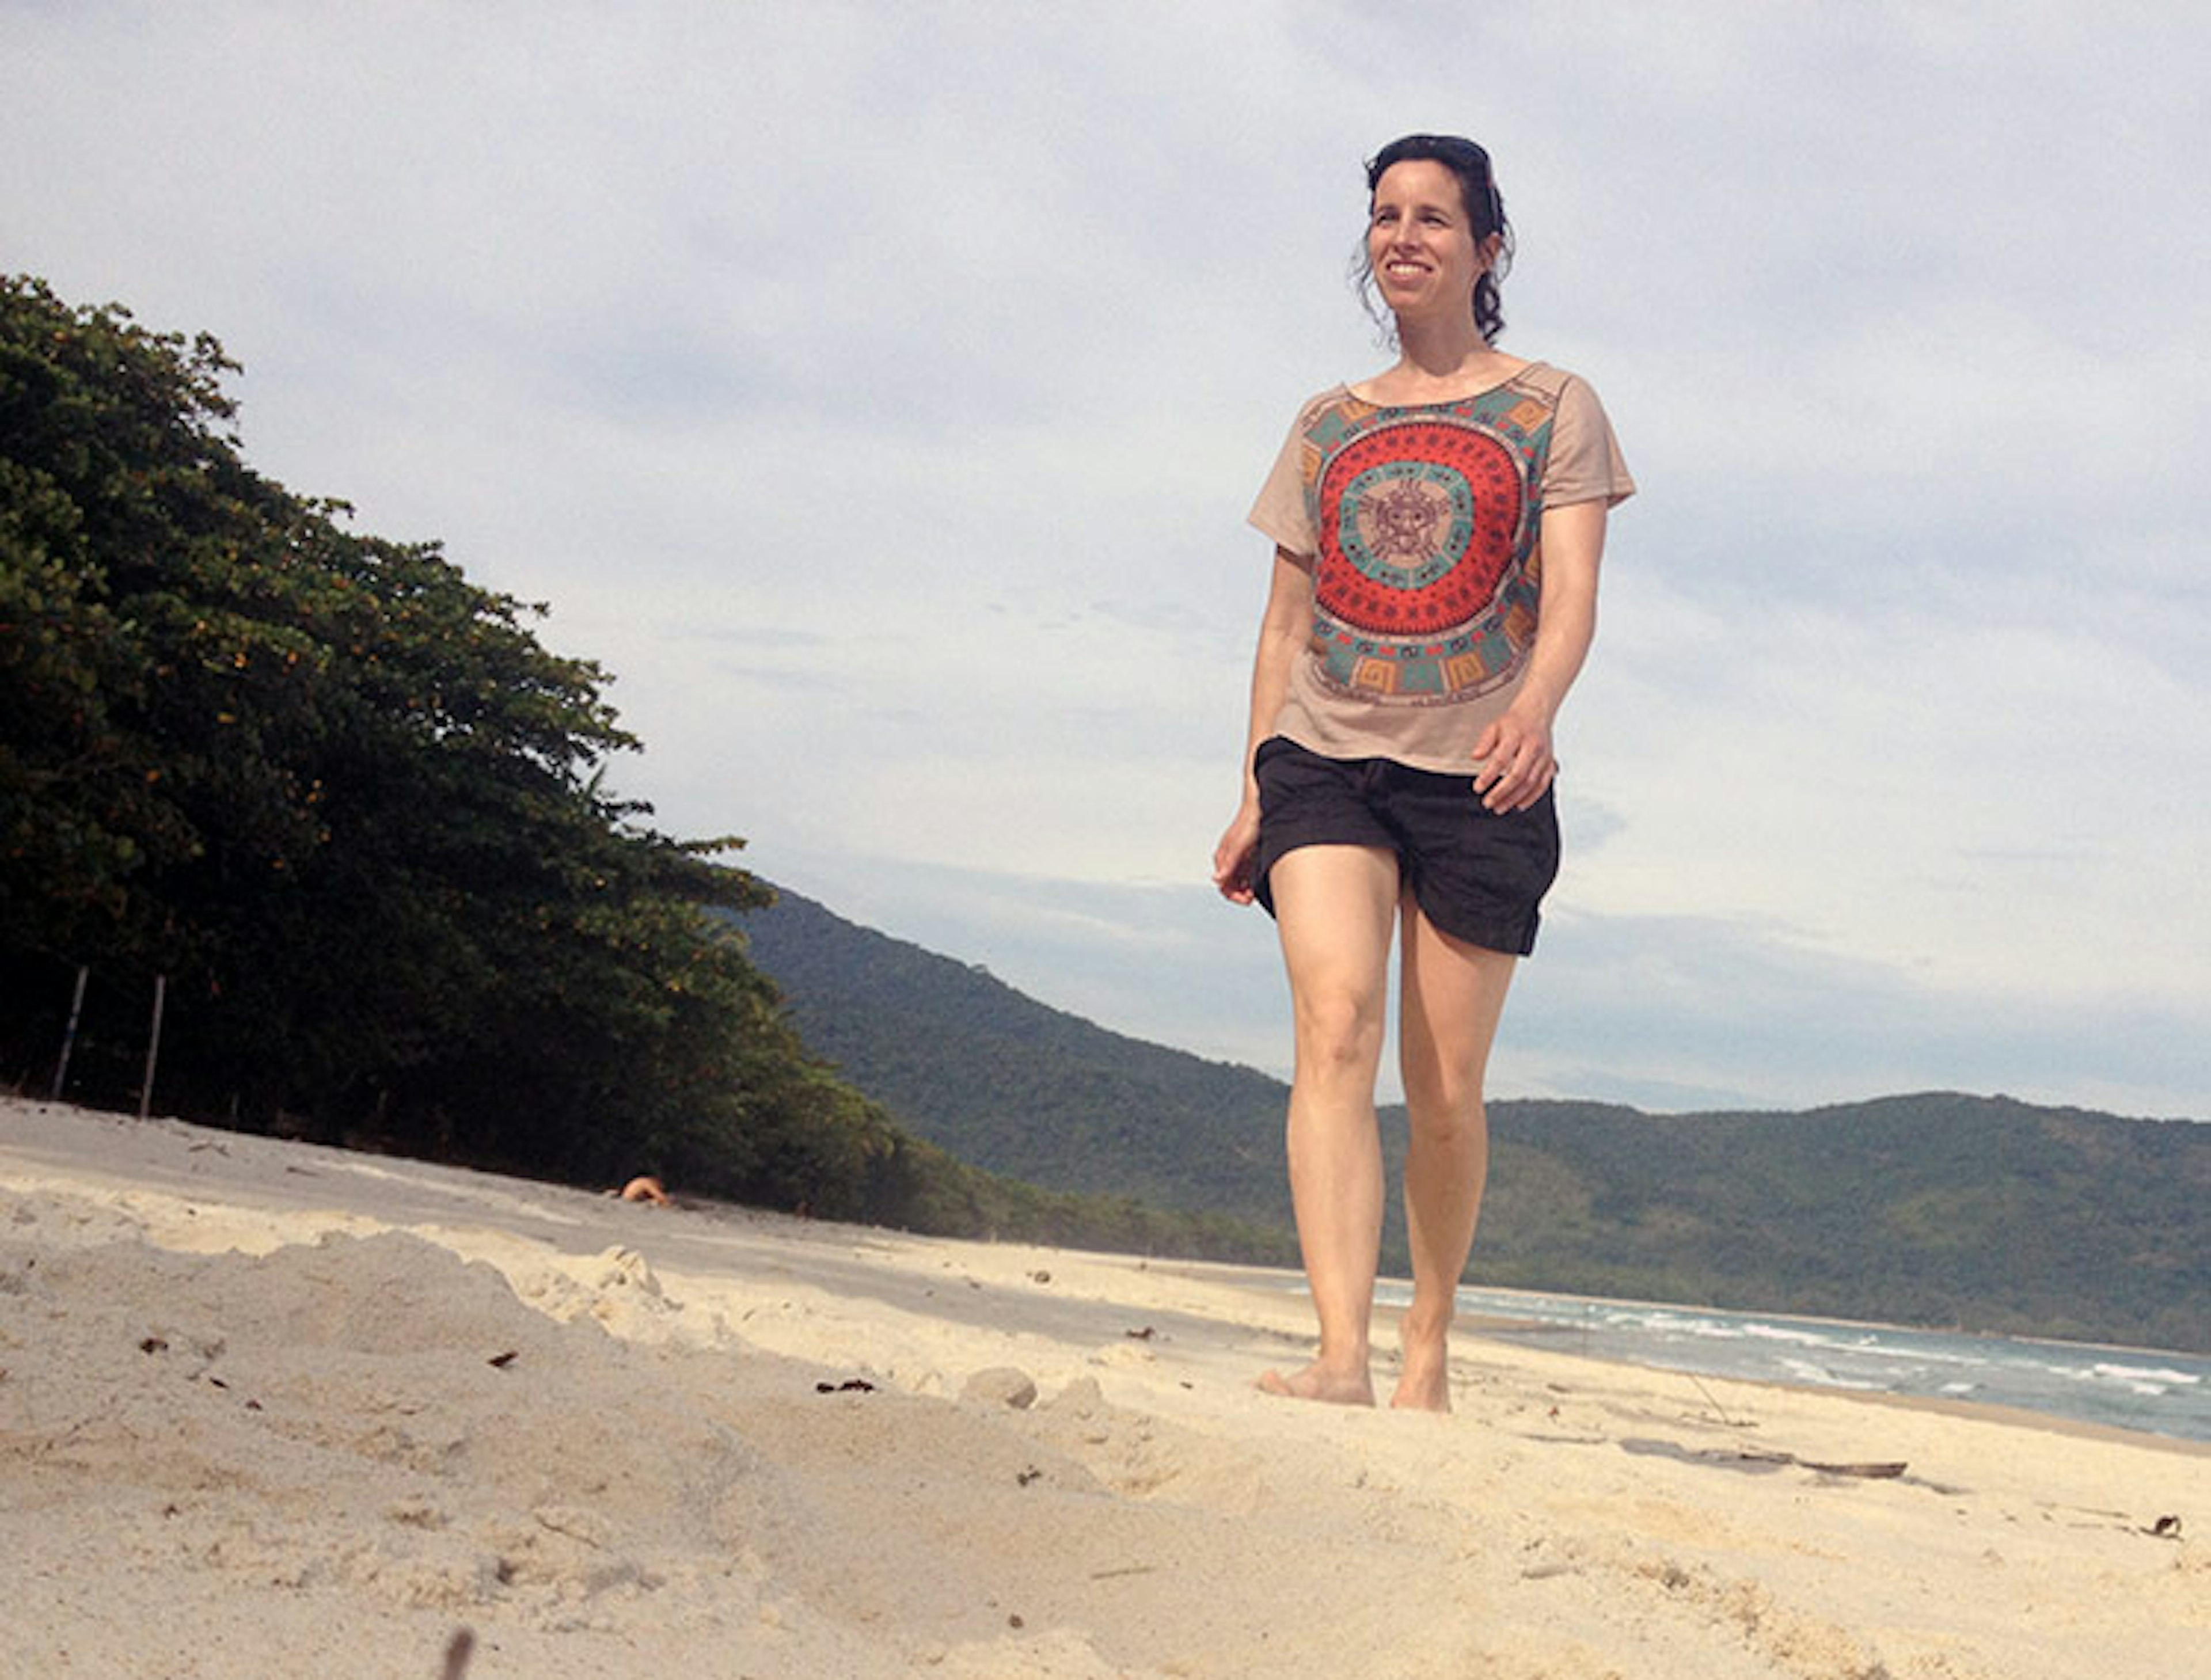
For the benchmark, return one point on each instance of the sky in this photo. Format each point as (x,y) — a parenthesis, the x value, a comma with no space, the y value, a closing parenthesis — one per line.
(876,392)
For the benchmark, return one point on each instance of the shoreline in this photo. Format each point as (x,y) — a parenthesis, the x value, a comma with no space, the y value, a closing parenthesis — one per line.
(1477,1327)
(1794,1316)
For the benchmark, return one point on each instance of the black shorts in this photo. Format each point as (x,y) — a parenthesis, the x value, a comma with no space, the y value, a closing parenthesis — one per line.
(1477,874)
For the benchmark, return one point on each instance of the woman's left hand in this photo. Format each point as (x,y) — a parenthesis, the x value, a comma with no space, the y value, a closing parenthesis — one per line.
(1516,766)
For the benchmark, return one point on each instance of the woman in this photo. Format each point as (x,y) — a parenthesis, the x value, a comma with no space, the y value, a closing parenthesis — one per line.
(1437,531)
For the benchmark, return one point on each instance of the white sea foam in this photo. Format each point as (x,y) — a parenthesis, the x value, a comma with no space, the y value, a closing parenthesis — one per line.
(2147,1374)
(1921,1353)
(2148,1380)
(1820,1376)
(1805,1338)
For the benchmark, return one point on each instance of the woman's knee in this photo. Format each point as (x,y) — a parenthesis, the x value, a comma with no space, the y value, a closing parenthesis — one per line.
(1338,1030)
(1442,1088)
(1452,1117)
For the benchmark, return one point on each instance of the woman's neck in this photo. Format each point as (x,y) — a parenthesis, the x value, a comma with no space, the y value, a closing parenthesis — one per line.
(1441,350)
(1440,359)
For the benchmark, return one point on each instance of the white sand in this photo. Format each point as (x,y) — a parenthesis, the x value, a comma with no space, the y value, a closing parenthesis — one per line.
(267,1410)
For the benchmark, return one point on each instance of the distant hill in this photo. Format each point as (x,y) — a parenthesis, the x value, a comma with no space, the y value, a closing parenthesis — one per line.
(1007,1084)
(1939,1208)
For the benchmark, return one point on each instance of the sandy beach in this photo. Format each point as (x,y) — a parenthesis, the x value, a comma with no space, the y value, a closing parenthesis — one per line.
(270,1408)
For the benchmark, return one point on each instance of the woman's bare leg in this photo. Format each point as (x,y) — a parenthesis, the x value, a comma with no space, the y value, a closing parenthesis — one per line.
(1334,908)
(1452,996)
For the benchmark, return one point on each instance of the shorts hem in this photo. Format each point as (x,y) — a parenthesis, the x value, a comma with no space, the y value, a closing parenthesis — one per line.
(1519,941)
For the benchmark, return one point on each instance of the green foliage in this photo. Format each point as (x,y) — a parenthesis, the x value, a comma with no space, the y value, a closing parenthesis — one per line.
(351,807)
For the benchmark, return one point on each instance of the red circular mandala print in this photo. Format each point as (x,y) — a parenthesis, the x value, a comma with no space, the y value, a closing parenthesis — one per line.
(1417,527)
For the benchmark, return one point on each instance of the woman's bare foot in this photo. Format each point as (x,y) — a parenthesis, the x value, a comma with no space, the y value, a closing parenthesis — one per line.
(1317,1382)
(1423,1396)
(1424,1381)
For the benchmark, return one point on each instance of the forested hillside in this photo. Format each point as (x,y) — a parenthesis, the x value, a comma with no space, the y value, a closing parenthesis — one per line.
(996,1077)
(1936,1208)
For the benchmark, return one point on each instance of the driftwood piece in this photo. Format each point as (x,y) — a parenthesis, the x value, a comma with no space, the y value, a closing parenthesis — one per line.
(1878,1470)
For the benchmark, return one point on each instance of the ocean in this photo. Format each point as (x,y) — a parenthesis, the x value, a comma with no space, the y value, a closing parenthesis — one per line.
(2157,1392)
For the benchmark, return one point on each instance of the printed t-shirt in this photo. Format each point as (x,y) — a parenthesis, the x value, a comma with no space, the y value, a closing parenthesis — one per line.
(1421,525)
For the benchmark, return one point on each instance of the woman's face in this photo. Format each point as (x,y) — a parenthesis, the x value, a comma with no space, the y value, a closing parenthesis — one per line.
(1420,244)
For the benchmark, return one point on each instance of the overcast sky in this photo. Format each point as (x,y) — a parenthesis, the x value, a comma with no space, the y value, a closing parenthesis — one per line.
(877,392)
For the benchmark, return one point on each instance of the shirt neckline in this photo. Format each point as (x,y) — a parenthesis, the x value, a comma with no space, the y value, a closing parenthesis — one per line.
(1353,391)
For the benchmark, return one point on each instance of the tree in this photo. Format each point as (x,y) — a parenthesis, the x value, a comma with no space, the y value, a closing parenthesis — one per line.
(342,795)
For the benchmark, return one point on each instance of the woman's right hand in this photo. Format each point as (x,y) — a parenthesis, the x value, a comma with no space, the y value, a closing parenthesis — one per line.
(1283,633)
(1233,858)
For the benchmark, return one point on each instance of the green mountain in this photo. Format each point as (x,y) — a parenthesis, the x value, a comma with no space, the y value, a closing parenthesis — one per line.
(1936,1208)
(1010,1084)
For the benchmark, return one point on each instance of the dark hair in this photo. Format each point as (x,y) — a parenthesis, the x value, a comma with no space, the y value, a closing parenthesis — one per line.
(1485,215)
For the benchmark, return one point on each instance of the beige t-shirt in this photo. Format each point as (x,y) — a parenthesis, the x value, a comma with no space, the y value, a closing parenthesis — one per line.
(1422,526)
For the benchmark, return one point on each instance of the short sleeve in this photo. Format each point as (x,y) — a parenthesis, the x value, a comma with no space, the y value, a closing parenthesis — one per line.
(1584,464)
(1283,512)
